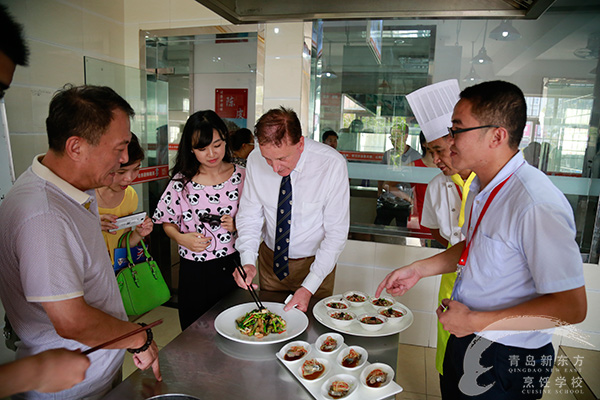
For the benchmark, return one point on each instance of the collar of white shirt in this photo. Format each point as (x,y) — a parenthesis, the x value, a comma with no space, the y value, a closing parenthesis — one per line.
(509,168)
(46,174)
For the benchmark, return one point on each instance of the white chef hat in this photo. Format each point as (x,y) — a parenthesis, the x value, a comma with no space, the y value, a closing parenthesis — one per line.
(432,105)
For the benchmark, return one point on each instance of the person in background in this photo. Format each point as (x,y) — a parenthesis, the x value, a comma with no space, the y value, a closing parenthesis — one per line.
(241,143)
(519,270)
(446,195)
(51,370)
(197,210)
(13,50)
(297,198)
(395,199)
(330,138)
(348,139)
(55,277)
(120,199)
(419,189)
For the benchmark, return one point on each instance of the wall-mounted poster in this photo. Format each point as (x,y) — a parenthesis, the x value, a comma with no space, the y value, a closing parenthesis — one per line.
(232,106)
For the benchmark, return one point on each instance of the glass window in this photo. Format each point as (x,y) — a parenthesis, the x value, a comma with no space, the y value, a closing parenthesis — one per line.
(362,71)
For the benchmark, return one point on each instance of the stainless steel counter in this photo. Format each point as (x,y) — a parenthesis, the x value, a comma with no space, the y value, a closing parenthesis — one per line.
(201,363)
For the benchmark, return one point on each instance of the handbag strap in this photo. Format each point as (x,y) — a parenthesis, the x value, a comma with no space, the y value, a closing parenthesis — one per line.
(123,236)
(146,253)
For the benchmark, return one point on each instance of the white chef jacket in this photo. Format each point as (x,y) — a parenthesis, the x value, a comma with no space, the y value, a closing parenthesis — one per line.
(320,209)
(441,208)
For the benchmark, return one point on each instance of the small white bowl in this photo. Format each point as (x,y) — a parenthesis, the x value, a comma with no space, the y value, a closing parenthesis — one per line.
(338,300)
(285,348)
(356,303)
(393,320)
(363,359)
(372,327)
(341,322)
(368,369)
(322,361)
(339,339)
(349,379)
(390,302)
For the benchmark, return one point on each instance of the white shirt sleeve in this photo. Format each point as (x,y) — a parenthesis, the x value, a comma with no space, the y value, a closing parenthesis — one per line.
(249,220)
(336,223)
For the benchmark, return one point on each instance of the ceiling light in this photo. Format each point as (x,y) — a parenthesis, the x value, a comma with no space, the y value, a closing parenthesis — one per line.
(472,76)
(482,57)
(328,72)
(505,32)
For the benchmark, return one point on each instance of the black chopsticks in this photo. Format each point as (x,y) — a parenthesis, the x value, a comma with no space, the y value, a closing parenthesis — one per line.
(135,331)
(242,273)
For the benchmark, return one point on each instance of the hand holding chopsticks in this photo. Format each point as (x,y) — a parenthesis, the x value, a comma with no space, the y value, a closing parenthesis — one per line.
(253,293)
(125,336)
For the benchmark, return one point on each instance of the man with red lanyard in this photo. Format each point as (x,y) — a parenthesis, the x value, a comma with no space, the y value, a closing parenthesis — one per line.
(519,269)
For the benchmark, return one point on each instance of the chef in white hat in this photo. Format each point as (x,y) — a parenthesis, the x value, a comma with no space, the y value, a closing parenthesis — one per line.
(444,204)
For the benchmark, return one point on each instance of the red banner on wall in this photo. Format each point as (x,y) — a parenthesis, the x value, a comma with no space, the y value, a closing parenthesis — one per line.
(155,173)
(232,103)
(362,156)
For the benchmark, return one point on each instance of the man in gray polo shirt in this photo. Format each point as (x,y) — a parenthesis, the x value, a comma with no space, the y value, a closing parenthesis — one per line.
(56,281)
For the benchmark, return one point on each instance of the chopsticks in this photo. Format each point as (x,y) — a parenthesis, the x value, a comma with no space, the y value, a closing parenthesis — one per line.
(242,273)
(135,331)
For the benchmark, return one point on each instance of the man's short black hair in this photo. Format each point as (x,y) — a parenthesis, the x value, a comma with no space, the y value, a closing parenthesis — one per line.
(499,103)
(328,133)
(12,42)
(83,111)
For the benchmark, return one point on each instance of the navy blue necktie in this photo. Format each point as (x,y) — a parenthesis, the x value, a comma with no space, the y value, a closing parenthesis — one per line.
(282,233)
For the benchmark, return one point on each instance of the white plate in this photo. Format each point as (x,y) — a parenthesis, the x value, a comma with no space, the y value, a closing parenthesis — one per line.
(320,313)
(362,392)
(296,323)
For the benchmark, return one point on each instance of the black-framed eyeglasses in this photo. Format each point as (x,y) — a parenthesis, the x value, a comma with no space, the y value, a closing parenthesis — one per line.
(454,132)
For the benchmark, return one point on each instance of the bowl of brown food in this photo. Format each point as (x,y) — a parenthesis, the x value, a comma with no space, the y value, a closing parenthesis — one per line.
(295,351)
(376,376)
(393,314)
(336,303)
(352,358)
(314,369)
(372,322)
(341,318)
(329,343)
(339,386)
(356,298)
(379,302)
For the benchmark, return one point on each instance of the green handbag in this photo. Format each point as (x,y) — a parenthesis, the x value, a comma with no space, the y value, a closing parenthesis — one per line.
(141,285)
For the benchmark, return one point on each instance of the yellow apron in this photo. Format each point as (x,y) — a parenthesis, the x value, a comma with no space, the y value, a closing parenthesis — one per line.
(447,281)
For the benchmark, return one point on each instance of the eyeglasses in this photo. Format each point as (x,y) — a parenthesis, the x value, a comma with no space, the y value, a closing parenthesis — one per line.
(454,132)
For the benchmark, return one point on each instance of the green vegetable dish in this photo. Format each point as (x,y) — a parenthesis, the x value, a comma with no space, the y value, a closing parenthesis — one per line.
(260,323)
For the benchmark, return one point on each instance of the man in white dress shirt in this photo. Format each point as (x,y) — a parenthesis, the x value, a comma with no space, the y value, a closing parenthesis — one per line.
(320,211)
(520,269)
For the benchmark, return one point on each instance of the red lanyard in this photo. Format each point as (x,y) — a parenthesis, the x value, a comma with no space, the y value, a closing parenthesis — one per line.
(465,253)
(458,190)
